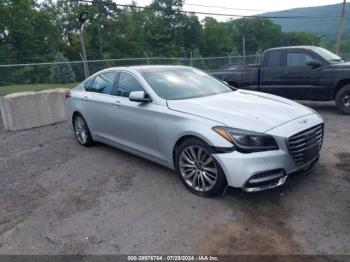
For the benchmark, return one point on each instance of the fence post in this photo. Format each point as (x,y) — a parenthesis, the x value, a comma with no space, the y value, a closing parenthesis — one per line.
(243,44)
(191,59)
(146,57)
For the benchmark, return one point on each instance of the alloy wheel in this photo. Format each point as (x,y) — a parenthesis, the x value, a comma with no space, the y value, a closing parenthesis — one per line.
(198,168)
(81,130)
(346,100)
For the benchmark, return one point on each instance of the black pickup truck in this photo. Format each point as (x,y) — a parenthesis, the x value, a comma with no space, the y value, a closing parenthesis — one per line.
(298,72)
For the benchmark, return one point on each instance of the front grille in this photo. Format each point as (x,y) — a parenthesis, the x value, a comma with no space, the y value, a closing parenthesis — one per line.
(301,142)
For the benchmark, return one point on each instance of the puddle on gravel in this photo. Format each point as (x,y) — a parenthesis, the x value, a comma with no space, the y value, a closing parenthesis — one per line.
(259,225)
(344,161)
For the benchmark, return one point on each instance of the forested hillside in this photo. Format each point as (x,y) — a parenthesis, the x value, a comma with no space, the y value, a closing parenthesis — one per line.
(322,26)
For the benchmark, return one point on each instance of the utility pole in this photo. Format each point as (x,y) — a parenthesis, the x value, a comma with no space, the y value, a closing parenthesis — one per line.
(82,19)
(340,28)
(244,43)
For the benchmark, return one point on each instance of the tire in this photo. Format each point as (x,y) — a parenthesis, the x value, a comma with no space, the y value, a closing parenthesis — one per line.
(201,175)
(81,131)
(342,99)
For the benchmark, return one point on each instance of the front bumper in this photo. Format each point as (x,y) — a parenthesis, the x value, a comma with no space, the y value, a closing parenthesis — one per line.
(265,170)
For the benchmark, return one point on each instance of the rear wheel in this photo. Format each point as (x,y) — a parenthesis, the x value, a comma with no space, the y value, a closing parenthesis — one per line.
(342,99)
(81,130)
(198,170)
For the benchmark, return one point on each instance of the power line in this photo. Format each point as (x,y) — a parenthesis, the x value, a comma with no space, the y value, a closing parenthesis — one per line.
(231,8)
(244,9)
(209,13)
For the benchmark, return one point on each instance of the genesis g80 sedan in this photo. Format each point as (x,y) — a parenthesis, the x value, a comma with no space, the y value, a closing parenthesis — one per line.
(212,134)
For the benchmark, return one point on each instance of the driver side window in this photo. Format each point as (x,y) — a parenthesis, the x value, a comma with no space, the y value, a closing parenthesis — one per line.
(298,59)
(128,83)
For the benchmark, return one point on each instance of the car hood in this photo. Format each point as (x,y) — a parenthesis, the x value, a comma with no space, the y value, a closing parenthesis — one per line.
(247,110)
(342,65)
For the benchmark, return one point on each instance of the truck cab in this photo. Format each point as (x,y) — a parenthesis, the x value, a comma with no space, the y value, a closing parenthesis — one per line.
(296,72)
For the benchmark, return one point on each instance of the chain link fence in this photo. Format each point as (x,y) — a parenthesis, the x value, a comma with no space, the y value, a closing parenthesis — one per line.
(15,75)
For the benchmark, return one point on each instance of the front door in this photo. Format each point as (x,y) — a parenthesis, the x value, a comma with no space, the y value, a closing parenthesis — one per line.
(302,81)
(135,124)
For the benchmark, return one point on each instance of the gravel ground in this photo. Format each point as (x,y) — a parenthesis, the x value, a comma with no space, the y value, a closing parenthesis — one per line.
(57,197)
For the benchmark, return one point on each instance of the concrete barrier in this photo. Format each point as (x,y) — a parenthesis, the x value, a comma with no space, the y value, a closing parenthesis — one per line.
(26,110)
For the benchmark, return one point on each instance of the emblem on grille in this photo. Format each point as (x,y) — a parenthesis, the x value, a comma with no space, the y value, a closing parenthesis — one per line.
(304,121)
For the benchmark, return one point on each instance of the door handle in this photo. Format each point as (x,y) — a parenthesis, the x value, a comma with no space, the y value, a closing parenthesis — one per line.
(85,98)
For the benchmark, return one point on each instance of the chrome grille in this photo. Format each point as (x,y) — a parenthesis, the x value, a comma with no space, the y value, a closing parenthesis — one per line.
(301,142)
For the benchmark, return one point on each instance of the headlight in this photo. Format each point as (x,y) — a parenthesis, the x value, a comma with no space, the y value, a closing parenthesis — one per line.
(247,141)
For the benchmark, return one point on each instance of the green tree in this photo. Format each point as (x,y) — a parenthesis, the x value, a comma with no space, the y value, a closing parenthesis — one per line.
(170,12)
(300,38)
(259,33)
(62,73)
(216,37)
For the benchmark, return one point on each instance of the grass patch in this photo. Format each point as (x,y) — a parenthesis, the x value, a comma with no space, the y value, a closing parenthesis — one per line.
(4,90)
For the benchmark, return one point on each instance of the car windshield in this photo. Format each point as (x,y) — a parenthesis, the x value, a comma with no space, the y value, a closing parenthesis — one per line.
(328,55)
(184,83)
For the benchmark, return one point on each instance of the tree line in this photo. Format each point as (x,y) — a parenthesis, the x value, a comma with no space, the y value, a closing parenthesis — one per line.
(36,31)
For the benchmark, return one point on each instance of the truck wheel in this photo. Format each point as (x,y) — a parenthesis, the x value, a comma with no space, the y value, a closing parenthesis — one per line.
(342,99)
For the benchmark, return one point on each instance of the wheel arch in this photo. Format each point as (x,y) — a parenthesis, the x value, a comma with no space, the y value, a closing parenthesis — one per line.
(182,139)
(340,85)
(188,135)
(75,113)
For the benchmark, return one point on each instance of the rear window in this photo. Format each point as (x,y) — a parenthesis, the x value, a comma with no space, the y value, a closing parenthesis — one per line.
(273,59)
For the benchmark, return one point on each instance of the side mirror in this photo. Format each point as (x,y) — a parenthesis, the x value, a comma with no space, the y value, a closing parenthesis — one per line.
(139,96)
(313,64)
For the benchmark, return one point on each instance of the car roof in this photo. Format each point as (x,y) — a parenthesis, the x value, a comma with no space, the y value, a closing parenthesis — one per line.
(310,47)
(144,69)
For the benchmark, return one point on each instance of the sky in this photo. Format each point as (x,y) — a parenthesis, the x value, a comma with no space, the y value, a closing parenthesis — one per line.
(259,6)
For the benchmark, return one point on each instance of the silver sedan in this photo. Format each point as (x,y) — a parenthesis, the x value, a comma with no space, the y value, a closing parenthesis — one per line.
(212,134)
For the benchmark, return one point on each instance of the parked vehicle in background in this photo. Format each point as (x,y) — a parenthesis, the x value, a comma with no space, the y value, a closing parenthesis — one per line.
(297,72)
(213,135)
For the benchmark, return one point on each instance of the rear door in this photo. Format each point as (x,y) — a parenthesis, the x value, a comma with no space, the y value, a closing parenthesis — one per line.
(99,104)
(301,80)
(271,73)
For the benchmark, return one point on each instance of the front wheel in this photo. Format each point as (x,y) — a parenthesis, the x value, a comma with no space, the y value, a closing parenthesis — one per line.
(198,170)
(342,99)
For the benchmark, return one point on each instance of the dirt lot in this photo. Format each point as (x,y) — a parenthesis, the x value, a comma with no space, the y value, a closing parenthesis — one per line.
(57,197)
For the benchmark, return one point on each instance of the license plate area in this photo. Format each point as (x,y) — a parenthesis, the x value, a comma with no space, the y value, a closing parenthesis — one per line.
(312,153)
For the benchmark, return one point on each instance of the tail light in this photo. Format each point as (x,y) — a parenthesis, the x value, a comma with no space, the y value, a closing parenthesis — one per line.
(68,94)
